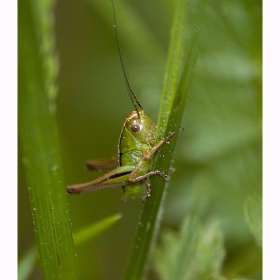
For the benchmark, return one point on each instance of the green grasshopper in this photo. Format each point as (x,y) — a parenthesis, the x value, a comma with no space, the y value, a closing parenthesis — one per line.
(137,145)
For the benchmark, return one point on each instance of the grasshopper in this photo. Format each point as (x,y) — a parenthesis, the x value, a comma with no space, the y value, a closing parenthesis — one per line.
(136,147)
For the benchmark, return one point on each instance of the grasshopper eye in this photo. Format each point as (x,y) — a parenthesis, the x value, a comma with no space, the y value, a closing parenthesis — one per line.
(135,127)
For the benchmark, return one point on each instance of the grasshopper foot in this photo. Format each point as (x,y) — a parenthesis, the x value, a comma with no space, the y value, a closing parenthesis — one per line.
(148,193)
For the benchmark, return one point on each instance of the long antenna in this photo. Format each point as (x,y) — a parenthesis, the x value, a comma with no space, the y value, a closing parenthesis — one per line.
(132,96)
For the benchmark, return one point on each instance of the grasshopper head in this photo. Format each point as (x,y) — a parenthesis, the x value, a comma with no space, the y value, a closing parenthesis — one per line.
(141,126)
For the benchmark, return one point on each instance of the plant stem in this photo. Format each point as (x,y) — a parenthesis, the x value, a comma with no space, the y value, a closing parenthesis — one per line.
(180,65)
(39,141)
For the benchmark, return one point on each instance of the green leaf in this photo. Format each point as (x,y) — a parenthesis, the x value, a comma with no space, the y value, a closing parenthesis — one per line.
(95,229)
(180,65)
(253,214)
(27,263)
(39,142)
(196,252)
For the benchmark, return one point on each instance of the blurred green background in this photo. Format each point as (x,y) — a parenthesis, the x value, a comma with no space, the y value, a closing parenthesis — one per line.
(218,156)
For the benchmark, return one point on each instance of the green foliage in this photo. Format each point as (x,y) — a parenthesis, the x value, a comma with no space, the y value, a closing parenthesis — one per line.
(253,214)
(93,230)
(27,263)
(217,160)
(195,252)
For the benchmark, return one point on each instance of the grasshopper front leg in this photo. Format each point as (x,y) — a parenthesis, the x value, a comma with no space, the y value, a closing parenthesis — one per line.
(134,175)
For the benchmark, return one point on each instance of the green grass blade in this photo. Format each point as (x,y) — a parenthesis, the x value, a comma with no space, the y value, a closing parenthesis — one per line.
(41,154)
(27,263)
(89,232)
(180,65)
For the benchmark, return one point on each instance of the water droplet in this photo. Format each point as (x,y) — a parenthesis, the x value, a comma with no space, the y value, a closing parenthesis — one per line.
(54,167)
